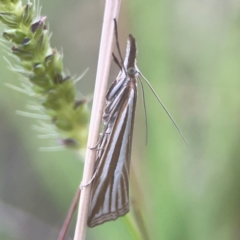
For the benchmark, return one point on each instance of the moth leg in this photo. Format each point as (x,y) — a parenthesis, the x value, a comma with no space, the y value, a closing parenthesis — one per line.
(88,183)
(98,142)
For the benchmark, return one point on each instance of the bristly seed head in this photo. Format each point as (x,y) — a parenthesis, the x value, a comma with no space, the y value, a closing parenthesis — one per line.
(43,66)
(39,24)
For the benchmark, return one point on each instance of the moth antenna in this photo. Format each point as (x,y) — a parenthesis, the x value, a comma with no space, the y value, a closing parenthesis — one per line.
(145,109)
(116,61)
(163,106)
(118,47)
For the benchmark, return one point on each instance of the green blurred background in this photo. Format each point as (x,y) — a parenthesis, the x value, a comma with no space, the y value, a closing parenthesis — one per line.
(190,51)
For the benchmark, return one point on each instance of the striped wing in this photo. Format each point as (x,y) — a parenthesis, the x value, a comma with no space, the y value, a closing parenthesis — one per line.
(110,189)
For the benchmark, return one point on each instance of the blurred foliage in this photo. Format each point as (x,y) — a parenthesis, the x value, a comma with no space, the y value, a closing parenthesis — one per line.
(190,52)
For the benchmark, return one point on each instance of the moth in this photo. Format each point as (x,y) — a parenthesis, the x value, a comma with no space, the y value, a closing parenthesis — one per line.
(110,182)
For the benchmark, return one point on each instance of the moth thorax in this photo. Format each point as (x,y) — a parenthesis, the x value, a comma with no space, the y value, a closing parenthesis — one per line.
(131,72)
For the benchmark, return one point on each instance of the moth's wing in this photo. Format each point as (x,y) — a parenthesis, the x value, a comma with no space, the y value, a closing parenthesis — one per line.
(110,190)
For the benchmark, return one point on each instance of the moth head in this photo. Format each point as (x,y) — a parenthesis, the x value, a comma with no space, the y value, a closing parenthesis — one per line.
(131,72)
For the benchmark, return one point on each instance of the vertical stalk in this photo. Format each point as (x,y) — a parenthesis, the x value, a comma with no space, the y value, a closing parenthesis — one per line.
(112,8)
